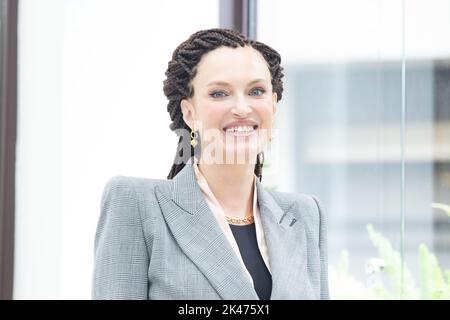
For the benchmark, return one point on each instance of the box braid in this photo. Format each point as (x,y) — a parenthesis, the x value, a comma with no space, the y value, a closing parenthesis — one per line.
(183,68)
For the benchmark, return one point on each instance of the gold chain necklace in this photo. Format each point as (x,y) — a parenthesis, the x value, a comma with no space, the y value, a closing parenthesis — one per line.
(246,219)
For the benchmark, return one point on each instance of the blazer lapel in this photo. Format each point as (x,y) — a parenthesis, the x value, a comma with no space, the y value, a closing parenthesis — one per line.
(286,243)
(198,234)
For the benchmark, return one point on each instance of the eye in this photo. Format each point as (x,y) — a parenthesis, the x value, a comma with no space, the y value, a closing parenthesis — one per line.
(258,89)
(221,94)
(218,94)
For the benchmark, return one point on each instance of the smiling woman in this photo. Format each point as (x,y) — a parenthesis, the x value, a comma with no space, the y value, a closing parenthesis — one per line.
(211,231)
(221,69)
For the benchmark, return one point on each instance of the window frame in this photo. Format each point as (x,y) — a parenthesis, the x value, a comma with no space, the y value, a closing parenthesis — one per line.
(8,125)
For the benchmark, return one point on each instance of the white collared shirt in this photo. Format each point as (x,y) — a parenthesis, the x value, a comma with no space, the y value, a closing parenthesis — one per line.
(218,212)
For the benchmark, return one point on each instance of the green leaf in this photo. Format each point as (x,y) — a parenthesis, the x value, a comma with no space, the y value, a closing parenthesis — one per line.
(434,284)
(393,267)
(441,206)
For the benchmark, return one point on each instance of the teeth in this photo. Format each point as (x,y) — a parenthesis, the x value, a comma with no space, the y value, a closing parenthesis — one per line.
(240,129)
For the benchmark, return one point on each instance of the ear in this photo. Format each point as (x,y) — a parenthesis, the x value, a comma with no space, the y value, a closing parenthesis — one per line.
(187,108)
(274,103)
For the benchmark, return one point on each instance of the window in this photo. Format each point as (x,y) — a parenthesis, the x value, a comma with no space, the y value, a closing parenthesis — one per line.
(344,113)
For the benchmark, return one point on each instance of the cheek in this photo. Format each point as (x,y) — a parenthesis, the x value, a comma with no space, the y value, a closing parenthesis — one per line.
(264,110)
(213,114)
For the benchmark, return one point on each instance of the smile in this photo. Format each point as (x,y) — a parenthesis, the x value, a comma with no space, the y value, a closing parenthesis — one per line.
(240,131)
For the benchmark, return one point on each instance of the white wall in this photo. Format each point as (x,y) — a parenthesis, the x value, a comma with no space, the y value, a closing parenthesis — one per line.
(91,106)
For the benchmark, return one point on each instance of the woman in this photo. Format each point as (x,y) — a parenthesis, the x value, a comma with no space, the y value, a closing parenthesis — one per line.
(210,231)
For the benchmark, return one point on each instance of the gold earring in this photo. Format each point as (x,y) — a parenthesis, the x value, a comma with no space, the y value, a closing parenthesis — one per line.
(193,138)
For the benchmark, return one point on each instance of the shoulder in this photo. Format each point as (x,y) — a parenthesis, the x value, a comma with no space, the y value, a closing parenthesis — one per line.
(121,188)
(129,201)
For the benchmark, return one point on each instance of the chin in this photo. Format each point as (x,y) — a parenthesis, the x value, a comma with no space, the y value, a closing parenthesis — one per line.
(240,156)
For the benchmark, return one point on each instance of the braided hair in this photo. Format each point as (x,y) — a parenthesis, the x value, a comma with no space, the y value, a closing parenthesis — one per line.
(183,68)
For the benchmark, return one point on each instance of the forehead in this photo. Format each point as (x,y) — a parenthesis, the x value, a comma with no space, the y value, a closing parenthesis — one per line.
(233,64)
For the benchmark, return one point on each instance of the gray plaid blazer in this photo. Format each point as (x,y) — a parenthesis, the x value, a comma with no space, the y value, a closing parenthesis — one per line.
(158,239)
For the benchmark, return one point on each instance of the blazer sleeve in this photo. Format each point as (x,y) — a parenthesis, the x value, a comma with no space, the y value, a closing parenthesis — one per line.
(323,247)
(121,259)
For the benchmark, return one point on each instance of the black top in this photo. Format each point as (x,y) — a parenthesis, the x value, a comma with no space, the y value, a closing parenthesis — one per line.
(245,236)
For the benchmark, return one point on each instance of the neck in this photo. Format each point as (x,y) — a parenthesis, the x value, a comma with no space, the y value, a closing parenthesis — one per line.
(232,185)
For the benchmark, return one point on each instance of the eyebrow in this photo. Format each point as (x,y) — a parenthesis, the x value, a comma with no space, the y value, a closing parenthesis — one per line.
(223,83)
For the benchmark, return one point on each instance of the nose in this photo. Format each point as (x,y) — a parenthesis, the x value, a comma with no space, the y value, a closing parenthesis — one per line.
(242,106)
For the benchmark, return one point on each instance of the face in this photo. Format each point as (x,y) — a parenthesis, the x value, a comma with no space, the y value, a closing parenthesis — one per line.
(233,107)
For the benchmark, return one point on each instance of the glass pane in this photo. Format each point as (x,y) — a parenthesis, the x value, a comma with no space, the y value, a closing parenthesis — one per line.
(427,147)
(341,119)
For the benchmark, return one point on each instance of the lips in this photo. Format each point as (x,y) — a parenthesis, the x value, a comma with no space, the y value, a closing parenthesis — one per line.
(243,123)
